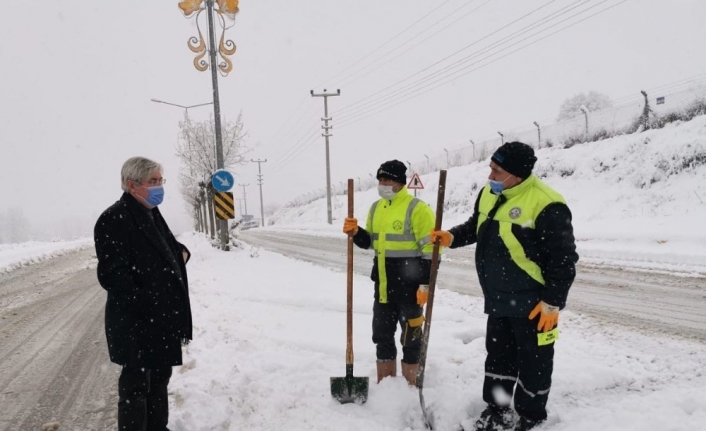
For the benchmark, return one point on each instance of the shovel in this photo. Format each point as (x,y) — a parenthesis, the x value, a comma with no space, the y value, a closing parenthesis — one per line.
(427,416)
(349,389)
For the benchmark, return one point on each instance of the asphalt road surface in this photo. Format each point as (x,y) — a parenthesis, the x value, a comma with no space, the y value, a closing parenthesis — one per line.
(647,301)
(54,364)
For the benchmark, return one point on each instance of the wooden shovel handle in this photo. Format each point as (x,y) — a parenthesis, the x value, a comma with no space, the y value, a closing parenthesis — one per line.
(432,281)
(349,283)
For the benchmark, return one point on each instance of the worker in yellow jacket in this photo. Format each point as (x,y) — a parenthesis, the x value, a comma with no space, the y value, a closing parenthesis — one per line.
(397,228)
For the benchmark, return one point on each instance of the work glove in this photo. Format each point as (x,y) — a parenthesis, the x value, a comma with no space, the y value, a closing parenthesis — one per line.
(422,294)
(350,226)
(548,316)
(445,237)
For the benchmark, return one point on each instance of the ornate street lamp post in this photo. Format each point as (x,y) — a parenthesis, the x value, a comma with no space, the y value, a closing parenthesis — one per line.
(224,11)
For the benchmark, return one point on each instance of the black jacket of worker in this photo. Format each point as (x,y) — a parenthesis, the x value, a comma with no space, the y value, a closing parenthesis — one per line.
(508,288)
(141,265)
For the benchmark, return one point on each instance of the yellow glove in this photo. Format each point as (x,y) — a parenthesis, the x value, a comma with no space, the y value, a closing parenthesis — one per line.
(444,237)
(548,316)
(422,294)
(350,226)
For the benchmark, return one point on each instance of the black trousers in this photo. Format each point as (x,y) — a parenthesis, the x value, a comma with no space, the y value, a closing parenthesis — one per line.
(143,403)
(385,320)
(517,364)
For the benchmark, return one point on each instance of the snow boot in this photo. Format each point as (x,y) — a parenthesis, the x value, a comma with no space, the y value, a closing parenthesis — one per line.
(386,368)
(494,419)
(525,424)
(409,371)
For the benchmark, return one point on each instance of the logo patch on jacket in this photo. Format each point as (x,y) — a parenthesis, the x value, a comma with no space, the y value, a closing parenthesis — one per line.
(397,225)
(515,213)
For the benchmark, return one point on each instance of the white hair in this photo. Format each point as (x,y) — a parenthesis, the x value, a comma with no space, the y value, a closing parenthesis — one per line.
(137,168)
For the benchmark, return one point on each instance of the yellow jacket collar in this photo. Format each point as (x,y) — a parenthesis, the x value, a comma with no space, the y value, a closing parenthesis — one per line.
(520,188)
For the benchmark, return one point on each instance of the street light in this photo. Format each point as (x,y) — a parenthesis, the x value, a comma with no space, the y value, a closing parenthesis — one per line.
(180,106)
(428,165)
(473,144)
(448,165)
(502,138)
(225,48)
(539,135)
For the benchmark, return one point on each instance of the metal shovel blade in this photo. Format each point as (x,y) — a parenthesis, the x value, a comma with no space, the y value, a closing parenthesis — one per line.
(350,389)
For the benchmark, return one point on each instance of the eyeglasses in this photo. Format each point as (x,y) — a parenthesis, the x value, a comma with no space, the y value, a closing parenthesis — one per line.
(153,182)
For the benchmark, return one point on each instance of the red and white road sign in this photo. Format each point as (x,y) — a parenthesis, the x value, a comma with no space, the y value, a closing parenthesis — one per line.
(415,183)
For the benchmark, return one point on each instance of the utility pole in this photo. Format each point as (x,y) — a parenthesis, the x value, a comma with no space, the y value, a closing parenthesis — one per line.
(539,135)
(326,135)
(245,197)
(259,182)
(585,114)
(240,205)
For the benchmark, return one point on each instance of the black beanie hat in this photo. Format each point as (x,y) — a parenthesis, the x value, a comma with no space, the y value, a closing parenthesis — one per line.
(394,170)
(516,158)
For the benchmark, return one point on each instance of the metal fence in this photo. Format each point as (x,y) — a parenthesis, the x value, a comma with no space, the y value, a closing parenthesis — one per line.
(649,109)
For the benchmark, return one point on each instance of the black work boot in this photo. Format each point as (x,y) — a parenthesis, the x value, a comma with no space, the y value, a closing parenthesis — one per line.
(525,424)
(494,419)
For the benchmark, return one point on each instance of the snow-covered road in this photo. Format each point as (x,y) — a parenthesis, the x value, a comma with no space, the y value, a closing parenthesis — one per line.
(53,360)
(650,301)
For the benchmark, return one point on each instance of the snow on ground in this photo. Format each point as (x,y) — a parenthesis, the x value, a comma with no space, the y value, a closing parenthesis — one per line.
(270,332)
(13,256)
(637,200)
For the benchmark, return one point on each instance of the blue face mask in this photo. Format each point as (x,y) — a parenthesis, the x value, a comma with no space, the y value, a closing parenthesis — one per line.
(155,195)
(497,187)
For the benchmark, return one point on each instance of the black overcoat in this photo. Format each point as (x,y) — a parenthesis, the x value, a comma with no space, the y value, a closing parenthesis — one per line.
(140,264)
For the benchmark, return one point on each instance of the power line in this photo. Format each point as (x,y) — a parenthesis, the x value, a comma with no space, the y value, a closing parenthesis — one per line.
(386,55)
(296,110)
(424,40)
(412,91)
(467,57)
(387,42)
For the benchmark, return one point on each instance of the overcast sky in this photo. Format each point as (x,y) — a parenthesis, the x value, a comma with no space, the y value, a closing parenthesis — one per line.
(77,79)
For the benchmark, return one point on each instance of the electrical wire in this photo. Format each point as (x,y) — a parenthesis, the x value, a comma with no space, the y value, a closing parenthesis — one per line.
(455,64)
(455,74)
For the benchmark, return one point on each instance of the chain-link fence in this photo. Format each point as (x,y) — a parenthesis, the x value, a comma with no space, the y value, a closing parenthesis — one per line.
(679,101)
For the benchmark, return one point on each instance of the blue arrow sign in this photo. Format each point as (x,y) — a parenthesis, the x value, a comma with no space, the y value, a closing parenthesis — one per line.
(222,180)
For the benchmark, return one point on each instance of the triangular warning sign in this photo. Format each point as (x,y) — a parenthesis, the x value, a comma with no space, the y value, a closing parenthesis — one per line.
(415,183)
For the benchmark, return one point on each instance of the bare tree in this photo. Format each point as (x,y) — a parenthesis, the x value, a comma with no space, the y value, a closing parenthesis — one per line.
(196,147)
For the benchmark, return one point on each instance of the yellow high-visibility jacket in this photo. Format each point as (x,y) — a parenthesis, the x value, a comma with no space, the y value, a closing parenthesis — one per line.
(525,247)
(398,230)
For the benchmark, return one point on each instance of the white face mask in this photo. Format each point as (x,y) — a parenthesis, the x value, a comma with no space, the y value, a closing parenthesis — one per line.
(385,192)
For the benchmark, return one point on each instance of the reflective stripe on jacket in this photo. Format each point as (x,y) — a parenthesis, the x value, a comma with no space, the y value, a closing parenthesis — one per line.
(399,229)
(524,203)
(525,248)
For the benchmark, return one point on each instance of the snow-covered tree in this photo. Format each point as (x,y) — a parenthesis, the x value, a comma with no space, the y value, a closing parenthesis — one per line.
(593,101)
(196,147)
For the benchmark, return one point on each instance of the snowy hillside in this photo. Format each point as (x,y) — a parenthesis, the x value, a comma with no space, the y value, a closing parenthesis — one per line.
(636,199)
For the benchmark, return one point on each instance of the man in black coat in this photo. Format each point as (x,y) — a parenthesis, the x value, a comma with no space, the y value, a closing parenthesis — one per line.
(525,259)
(147,312)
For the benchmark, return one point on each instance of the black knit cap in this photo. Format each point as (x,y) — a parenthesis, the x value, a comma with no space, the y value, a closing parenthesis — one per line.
(394,170)
(516,158)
